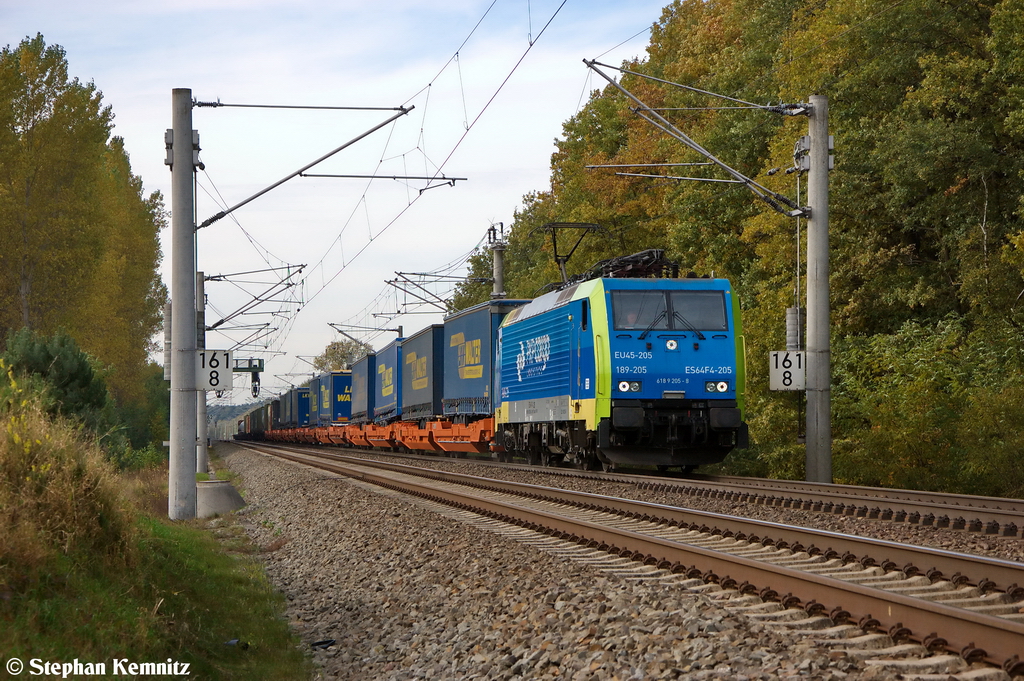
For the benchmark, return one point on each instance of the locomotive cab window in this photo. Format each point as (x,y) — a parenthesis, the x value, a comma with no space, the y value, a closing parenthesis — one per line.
(703,310)
(669,310)
(639,310)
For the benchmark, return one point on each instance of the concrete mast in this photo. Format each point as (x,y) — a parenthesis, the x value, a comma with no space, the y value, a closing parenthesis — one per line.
(819,395)
(181,482)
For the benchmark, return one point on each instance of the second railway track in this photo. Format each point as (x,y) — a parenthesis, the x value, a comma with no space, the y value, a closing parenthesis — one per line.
(990,516)
(966,605)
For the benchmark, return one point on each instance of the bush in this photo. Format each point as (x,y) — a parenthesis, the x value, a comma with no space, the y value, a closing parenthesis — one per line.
(68,384)
(74,387)
(932,406)
(57,493)
(128,458)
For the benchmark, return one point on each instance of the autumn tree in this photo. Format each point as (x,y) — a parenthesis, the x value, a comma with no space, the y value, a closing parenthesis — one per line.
(78,239)
(52,140)
(340,354)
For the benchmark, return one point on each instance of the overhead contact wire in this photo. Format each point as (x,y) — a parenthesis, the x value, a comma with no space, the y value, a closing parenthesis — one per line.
(454,148)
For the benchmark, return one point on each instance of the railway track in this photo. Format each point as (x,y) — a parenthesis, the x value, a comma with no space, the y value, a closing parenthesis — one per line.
(993,516)
(856,590)
(987,515)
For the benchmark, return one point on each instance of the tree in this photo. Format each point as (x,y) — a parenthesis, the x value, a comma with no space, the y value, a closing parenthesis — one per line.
(79,247)
(72,385)
(339,355)
(52,143)
(120,308)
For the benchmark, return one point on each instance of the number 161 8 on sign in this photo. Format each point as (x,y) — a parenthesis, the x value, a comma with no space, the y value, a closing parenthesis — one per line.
(786,370)
(213,369)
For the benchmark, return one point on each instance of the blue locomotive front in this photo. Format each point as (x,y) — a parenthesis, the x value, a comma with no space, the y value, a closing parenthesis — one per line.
(638,371)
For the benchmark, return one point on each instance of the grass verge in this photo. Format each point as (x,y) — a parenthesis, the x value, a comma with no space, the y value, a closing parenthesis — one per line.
(90,570)
(185,599)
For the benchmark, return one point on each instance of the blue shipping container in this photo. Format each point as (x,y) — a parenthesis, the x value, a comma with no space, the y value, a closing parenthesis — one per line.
(422,373)
(388,382)
(470,343)
(286,410)
(275,414)
(314,402)
(341,396)
(300,406)
(363,373)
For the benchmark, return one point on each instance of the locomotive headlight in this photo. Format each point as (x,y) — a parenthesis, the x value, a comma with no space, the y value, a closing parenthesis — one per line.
(671,344)
(723,387)
(716,387)
(630,386)
(634,387)
(623,386)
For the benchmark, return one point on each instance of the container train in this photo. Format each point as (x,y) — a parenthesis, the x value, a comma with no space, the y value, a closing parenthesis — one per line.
(606,370)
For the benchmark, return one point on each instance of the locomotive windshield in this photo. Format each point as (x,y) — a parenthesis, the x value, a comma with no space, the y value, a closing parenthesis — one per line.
(669,310)
(639,310)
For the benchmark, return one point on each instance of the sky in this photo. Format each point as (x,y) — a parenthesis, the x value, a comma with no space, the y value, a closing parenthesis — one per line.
(490,83)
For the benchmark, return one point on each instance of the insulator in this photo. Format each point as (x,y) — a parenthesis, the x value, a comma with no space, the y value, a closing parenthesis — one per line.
(794,328)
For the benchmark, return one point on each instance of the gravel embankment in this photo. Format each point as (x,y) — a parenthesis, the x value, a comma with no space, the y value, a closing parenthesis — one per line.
(408,593)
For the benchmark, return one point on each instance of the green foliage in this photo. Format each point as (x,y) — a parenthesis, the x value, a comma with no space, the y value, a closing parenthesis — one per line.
(930,403)
(339,355)
(127,458)
(71,384)
(146,422)
(470,292)
(68,384)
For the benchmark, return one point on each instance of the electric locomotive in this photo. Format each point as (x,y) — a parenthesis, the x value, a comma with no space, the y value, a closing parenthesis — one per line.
(622,370)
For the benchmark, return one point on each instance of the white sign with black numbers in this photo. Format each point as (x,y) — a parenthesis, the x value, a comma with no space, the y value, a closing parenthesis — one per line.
(213,369)
(786,370)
